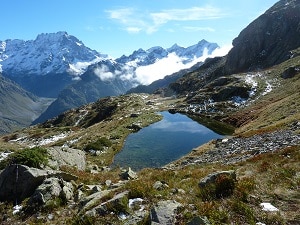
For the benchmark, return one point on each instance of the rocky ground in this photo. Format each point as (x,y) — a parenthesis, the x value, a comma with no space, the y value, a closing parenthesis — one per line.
(236,149)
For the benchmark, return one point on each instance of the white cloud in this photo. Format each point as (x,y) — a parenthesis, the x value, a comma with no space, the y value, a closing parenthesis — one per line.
(136,21)
(104,73)
(173,63)
(189,14)
(195,29)
(166,66)
(79,68)
(133,29)
(221,51)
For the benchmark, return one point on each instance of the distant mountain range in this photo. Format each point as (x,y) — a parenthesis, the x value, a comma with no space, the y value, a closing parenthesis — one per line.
(59,66)
(146,57)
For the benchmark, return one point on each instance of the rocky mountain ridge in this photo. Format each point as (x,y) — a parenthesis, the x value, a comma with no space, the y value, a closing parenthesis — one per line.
(142,57)
(266,41)
(52,53)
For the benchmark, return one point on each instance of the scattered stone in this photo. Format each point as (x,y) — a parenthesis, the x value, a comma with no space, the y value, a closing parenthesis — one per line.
(134,115)
(108,183)
(67,190)
(92,200)
(211,178)
(239,149)
(96,188)
(117,204)
(50,216)
(160,185)
(129,174)
(199,221)
(93,168)
(217,185)
(135,127)
(164,212)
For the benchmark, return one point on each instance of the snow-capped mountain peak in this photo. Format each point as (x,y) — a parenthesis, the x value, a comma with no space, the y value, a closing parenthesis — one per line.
(150,56)
(48,53)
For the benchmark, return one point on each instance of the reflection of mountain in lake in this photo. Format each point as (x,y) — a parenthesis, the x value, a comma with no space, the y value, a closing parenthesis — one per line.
(163,142)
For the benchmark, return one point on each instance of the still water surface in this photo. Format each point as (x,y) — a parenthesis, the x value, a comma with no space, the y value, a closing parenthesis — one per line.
(163,142)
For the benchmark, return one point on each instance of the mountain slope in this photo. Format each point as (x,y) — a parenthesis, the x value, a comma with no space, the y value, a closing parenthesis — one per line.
(101,80)
(18,108)
(268,40)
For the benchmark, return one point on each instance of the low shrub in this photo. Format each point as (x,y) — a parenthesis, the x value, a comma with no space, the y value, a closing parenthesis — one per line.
(221,188)
(100,144)
(33,157)
(244,187)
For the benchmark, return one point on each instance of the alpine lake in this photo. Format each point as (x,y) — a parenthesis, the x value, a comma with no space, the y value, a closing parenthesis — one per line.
(163,142)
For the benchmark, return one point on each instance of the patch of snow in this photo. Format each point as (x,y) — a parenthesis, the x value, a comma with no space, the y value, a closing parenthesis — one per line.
(238,101)
(122,216)
(251,81)
(81,117)
(268,207)
(268,88)
(52,139)
(259,223)
(79,44)
(50,216)
(17,209)
(4,155)
(79,68)
(136,201)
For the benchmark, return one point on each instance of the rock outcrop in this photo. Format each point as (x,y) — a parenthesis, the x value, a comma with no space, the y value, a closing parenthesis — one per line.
(268,40)
(18,182)
(211,178)
(50,189)
(66,157)
(164,212)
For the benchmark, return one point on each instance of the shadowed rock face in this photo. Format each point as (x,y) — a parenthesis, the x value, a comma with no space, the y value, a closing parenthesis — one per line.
(18,182)
(268,40)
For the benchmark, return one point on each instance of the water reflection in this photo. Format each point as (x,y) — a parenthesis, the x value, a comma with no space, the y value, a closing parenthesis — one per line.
(163,142)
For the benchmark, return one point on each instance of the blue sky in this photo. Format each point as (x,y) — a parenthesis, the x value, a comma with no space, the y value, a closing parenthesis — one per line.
(117,27)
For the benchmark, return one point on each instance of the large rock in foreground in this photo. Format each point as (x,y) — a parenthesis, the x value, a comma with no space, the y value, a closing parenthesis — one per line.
(18,182)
